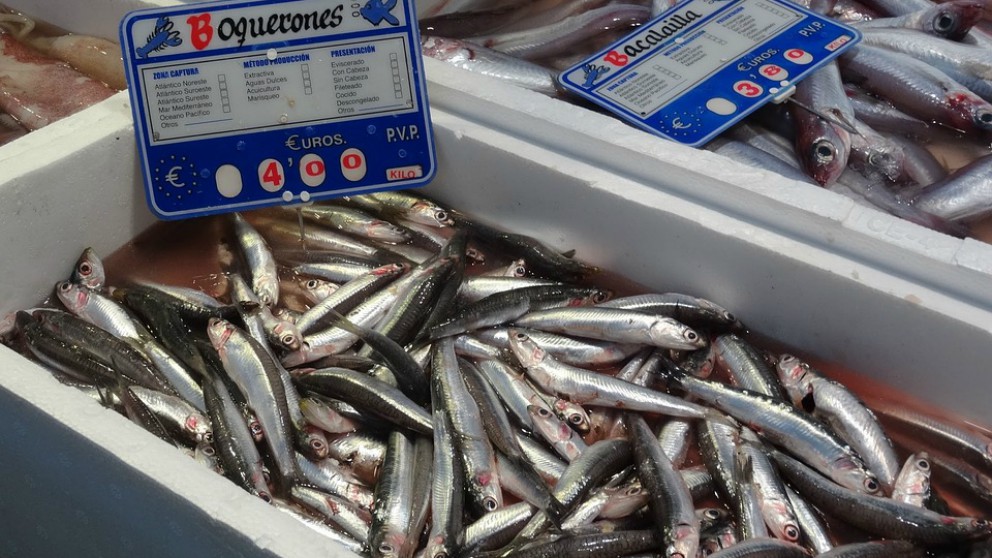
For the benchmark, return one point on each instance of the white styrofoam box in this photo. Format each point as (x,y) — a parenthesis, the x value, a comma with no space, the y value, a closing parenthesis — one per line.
(804,267)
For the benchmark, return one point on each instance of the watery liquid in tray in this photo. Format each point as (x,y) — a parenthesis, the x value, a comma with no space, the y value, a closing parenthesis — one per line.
(186,254)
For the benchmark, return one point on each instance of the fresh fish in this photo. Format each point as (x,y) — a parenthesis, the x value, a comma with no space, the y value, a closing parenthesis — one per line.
(881,516)
(965,195)
(516,268)
(691,310)
(750,523)
(576,351)
(845,413)
(975,484)
(600,461)
(368,394)
(912,485)
(871,152)
(258,259)
(876,549)
(340,512)
(815,533)
(718,439)
(236,450)
(612,324)
(951,20)
(587,387)
(572,414)
(478,287)
(362,453)
(670,500)
(675,439)
(348,296)
(393,499)
(495,420)
(355,222)
(773,501)
(179,417)
(758,158)
(953,58)
(101,311)
(319,526)
(593,545)
(955,441)
(823,146)
(562,438)
(328,477)
(918,165)
(496,529)
(783,426)
(139,413)
(482,479)
(505,307)
(746,366)
(89,271)
(488,62)
(917,88)
(550,467)
(404,204)
(447,501)
(883,116)
(511,386)
(762,548)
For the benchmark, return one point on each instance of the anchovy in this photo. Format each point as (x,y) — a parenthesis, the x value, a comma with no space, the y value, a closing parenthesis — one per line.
(369,394)
(496,529)
(356,222)
(570,350)
(235,446)
(675,438)
(393,496)
(823,146)
(488,62)
(482,479)
(688,309)
(965,195)
(881,516)
(340,512)
(89,271)
(670,500)
(750,523)
(883,116)
(784,426)
(912,485)
(328,477)
(259,262)
(612,324)
(950,21)
(562,438)
(762,548)
(587,387)
(876,549)
(956,441)
(776,509)
(747,367)
(477,287)
(815,533)
(447,502)
(845,413)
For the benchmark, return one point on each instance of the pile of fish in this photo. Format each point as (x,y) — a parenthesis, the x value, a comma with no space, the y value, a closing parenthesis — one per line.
(46,78)
(859,126)
(409,382)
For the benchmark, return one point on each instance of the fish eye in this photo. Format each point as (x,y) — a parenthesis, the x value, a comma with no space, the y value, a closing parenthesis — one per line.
(875,158)
(575,419)
(871,485)
(691,335)
(633,490)
(543,412)
(712,514)
(208,451)
(791,533)
(729,317)
(312,284)
(85,269)
(288,339)
(944,22)
(441,215)
(386,548)
(265,496)
(923,465)
(65,287)
(317,444)
(519,271)
(490,504)
(521,336)
(985,117)
(600,297)
(823,151)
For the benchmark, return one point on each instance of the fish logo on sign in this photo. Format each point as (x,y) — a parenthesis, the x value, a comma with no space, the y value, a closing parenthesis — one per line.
(375,11)
(162,37)
(592,73)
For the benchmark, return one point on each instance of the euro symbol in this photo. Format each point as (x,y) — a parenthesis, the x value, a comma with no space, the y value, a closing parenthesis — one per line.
(679,125)
(173,177)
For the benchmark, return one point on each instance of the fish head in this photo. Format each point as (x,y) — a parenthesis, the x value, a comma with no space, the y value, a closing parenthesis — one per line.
(73,296)
(953,20)
(624,501)
(287,336)
(574,415)
(685,541)
(317,290)
(887,159)
(709,517)
(427,213)
(475,255)
(725,315)
(391,269)
(255,428)
(517,269)
(823,150)
(780,518)
(388,544)
(528,353)
(673,334)
(792,372)
(219,332)
(441,48)
(267,290)
(89,270)
(969,111)
(486,490)
(198,426)
(315,442)
(851,473)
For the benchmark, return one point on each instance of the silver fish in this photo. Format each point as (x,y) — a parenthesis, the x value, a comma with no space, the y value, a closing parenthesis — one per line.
(912,485)
(965,195)
(488,62)
(612,324)
(259,261)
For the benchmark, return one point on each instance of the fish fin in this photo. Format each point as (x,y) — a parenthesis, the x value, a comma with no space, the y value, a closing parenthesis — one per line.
(569,253)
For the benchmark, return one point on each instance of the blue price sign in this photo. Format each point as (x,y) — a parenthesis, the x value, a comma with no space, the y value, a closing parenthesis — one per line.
(246,104)
(703,65)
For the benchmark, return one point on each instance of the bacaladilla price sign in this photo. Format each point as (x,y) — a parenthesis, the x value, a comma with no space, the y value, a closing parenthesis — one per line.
(240,105)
